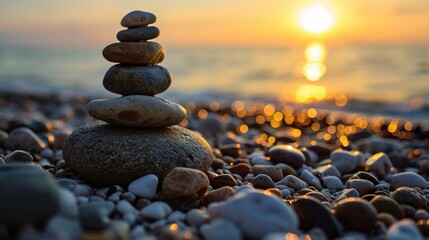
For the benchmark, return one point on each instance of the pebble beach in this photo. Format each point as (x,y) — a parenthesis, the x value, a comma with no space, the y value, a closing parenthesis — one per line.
(140,166)
(319,175)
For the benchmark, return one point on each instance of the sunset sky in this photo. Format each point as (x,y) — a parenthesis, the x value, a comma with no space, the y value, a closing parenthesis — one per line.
(245,23)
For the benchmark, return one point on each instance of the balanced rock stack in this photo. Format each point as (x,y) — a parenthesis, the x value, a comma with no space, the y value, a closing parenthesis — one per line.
(137,134)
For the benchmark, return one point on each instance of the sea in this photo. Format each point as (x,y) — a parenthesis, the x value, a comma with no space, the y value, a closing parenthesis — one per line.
(394,77)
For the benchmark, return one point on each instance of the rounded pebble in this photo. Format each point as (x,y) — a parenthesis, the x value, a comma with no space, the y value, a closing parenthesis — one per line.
(137,19)
(138,34)
(136,53)
(145,186)
(137,111)
(133,152)
(137,80)
(184,182)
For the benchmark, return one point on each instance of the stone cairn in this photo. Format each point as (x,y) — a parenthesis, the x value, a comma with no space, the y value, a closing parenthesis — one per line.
(137,134)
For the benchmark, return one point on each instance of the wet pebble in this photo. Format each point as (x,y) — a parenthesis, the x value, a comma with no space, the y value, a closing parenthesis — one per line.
(287,154)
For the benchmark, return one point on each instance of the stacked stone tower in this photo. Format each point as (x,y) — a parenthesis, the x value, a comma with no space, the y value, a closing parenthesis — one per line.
(137,78)
(137,134)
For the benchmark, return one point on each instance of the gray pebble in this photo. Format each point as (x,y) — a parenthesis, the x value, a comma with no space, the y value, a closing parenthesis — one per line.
(407,179)
(310,179)
(19,156)
(262,181)
(138,34)
(361,185)
(403,229)
(344,161)
(66,227)
(137,80)
(137,232)
(124,207)
(93,218)
(379,164)
(196,217)
(292,182)
(332,183)
(156,211)
(68,204)
(221,229)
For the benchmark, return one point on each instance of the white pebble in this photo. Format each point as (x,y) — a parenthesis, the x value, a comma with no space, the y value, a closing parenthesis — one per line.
(144,187)
(256,214)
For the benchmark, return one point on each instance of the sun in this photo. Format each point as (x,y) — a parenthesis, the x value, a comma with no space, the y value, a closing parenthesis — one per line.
(316,19)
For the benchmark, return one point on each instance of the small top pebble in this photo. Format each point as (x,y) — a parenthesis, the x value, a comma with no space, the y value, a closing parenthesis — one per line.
(137,19)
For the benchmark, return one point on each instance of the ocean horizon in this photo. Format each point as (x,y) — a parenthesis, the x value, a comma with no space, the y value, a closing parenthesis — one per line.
(396,75)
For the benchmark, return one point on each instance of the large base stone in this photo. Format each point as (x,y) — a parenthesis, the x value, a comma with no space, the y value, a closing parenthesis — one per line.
(105,154)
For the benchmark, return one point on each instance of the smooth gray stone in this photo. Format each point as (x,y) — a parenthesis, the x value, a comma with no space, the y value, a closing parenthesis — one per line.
(256,214)
(104,154)
(27,196)
(138,34)
(221,229)
(19,156)
(93,219)
(68,204)
(137,111)
(137,18)
(67,228)
(137,80)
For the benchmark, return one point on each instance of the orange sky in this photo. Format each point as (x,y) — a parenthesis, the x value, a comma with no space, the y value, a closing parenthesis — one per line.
(270,23)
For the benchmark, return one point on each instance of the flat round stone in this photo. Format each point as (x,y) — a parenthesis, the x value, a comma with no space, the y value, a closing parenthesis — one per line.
(138,53)
(138,34)
(137,111)
(137,18)
(137,80)
(105,154)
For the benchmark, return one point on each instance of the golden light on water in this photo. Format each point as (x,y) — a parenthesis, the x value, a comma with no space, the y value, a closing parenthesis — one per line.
(310,93)
(314,71)
(316,19)
(315,52)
